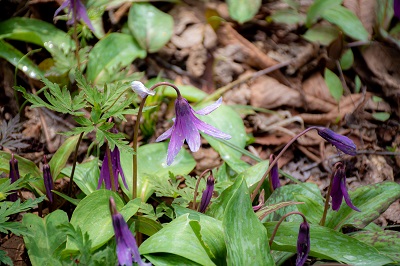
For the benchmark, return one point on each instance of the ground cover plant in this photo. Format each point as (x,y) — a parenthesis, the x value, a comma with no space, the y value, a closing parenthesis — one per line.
(200,132)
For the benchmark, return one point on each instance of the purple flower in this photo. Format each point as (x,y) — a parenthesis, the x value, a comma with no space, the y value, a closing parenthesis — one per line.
(116,169)
(396,8)
(341,142)
(126,243)
(48,180)
(14,176)
(339,190)
(207,194)
(78,11)
(274,174)
(187,126)
(303,244)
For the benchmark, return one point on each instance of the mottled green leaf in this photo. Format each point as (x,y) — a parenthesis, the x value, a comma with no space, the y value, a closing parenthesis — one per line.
(243,10)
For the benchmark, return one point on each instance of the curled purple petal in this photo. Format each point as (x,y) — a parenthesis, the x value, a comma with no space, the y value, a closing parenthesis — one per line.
(341,142)
(346,195)
(187,126)
(76,11)
(208,109)
(207,194)
(303,244)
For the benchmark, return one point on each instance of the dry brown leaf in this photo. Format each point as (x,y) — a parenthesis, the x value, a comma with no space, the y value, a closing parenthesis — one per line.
(365,11)
(272,139)
(267,92)
(347,105)
(253,55)
(315,86)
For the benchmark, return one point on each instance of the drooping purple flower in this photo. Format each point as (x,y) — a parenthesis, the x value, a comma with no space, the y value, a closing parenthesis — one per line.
(48,180)
(303,244)
(341,142)
(207,194)
(274,174)
(76,11)
(14,176)
(339,190)
(126,243)
(116,169)
(187,126)
(396,8)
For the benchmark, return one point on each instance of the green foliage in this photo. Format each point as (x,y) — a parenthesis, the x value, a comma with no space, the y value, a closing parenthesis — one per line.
(10,137)
(4,259)
(334,84)
(151,27)
(243,10)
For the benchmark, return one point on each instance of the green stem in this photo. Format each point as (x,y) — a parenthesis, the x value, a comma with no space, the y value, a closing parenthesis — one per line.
(197,187)
(71,178)
(271,240)
(136,133)
(255,192)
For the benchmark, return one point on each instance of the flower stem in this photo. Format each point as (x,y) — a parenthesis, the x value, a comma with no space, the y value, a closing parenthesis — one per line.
(71,178)
(75,36)
(136,133)
(275,161)
(328,194)
(279,223)
(197,187)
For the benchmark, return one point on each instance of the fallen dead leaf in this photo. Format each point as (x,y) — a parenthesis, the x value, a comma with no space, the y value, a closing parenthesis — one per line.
(315,86)
(365,11)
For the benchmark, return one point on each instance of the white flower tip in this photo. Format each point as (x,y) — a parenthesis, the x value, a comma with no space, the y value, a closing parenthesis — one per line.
(140,89)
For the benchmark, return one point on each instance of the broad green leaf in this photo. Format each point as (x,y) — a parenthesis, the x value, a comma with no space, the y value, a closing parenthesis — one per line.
(86,175)
(115,51)
(268,209)
(152,163)
(146,225)
(190,93)
(311,208)
(243,10)
(93,216)
(381,116)
(38,32)
(25,167)
(347,60)
(253,174)
(322,34)
(327,244)
(347,21)
(243,231)
(290,193)
(60,158)
(334,84)
(45,237)
(184,233)
(386,242)
(288,16)
(62,195)
(316,9)
(372,200)
(232,126)
(211,231)
(16,58)
(151,27)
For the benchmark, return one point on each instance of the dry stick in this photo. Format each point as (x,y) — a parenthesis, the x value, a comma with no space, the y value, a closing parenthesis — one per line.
(279,223)
(71,178)
(255,192)
(197,187)
(136,133)
(231,85)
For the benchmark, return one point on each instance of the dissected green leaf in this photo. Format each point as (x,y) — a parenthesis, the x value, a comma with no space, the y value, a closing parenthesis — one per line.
(372,200)
(327,244)
(334,84)
(243,10)
(46,238)
(243,231)
(115,51)
(151,27)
